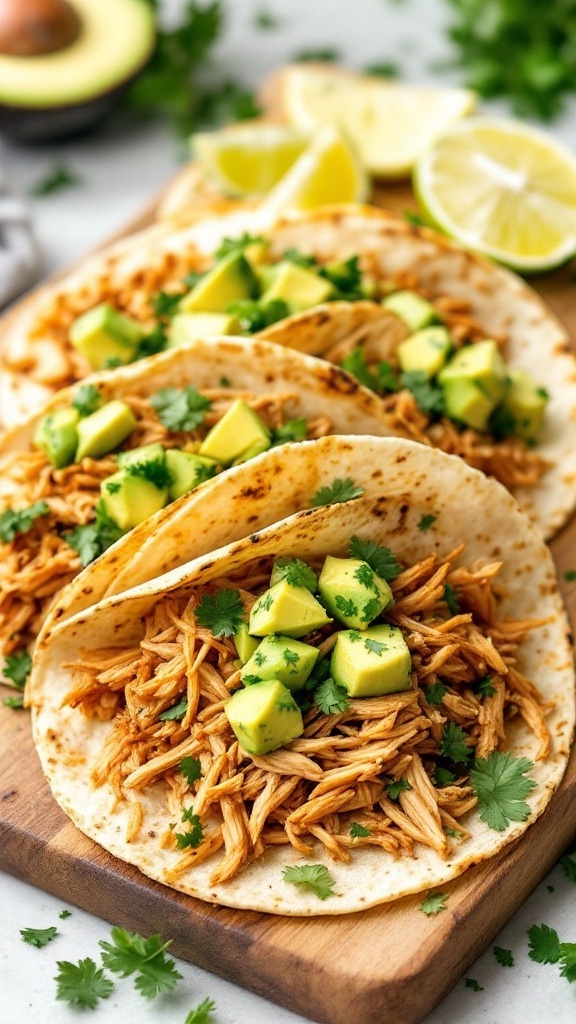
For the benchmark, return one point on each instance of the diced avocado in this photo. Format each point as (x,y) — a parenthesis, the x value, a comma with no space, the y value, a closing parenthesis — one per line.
(281,657)
(230,279)
(299,287)
(526,400)
(296,572)
(413,309)
(104,430)
(129,499)
(426,350)
(245,644)
(187,471)
(264,717)
(106,337)
(239,429)
(257,252)
(57,435)
(473,382)
(371,663)
(139,456)
(352,592)
(286,609)
(187,327)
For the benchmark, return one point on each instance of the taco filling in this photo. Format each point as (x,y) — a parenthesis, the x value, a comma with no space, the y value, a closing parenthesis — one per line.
(342,702)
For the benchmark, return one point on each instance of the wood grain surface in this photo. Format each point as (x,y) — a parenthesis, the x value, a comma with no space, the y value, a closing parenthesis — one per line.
(388,965)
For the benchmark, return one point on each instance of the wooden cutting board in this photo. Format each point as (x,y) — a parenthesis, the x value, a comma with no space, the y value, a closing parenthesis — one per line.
(388,965)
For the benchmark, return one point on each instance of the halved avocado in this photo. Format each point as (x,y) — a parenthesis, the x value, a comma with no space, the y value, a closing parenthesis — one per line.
(49,95)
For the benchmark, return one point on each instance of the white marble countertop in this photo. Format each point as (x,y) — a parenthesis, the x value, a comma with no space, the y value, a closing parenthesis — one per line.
(121,167)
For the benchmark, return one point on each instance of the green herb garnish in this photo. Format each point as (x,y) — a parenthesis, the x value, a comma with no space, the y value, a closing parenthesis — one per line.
(485,688)
(17,668)
(296,573)
(397,786)
(331,698)
(427,394)
(13,523)
(175,713)
(82,984)
(91,540)
(191,769)
(453,743)
(58,178)
(229,245)
(315,877)
(194,835)
(358,831)
(202,1012)
(434,903)
(451,599)
(380,559)
(503,956)
(180,408)
(87,399)
(473,984)
(499,783)
(426,522)
(434,693)
(339,490)
(130,953)
(544,944)
(38,936)
(222,612)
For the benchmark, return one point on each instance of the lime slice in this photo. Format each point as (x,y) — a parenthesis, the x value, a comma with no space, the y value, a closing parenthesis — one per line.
(390,124)
(248,159)
(327,172)
(504,189)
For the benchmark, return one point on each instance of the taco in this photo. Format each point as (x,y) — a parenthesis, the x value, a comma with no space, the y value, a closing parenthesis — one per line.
(105,456)
(363,699)
(465,356)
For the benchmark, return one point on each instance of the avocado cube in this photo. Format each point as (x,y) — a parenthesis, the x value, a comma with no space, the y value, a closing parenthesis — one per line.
(299,287)
(371,663)
(287,568)
(187,327)
(104,430)
(412,308)
(526,401)
(105,336)
(281,657)
(139,456)
(286,609)
(245,644)
(230,279)
(352,592)
(57,435)
(187,471)
(264,717)
(473,382)
(239,429)
(426,350)
(129,499)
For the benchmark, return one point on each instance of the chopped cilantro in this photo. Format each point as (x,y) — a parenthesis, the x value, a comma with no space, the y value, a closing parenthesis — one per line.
(225,382)
(453,744)
(473,984)
(569,867)
(453,833)
(82,984)
(375,646)
(112,487)
(387,378)
(311,876)
(371,609)
(229,245)
(485,688)
(191,769)
(221,612)
(255,315)
(94,538)
(64,914)
(397,786)
(249,679)
(17,668)
(415,219)
(38,936)
(434,693)
(331,698)
(290,657)
(380,559)
(202,1012)
(434,903)
(501,423)
(345,605)
(13,523)
(175,713)
(570,575)
(297,573)
(427,394)
(500,785)
(358,831)
(165,304)
(354,362)
(346,277)
(383,69)
(87,399)
(180,408)
(292,430)
(328,55)
(365,576)
(59,177)
(155,341)
(544,944)
(259,658)
(154,470)
(293,255)
(130,953)
(338,491)
(443,777)
(16,703)
(451,599)
(426,522)
(568,960)
(194,835)
(503,956)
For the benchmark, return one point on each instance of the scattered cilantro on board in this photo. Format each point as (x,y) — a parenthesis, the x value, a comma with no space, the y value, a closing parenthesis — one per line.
(569,867)
(17,668)
(130,953)
(202,1013)
(504,957)
(315,877)
(434,903)
(473,984)
(38,937)
(58,178)
(82,984)
(543,944)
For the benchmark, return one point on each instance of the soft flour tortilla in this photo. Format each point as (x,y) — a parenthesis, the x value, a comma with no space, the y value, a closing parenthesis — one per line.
(160,256)
(411,482)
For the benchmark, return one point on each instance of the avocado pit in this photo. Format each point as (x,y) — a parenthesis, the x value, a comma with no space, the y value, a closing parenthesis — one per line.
(37,27)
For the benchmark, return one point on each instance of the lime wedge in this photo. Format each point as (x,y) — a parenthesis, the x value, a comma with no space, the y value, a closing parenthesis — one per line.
(504,189)
(249,159)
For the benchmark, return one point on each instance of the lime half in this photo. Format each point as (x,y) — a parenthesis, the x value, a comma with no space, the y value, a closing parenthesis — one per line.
(248,159)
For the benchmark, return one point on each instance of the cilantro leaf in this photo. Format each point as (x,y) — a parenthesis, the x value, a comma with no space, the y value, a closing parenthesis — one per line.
(94,538)
(87,399)
(484,687)
(157,975)
(434,903)
(311,876)
(65,913)
(544,944)
(371,609)
(345,605)
(473,984)
(428,395)
(176,712)
(397,786)
(130,953)
(202,1012)
(154,470)
(239,244)
(365,576)
(434,693)
(569,867)
(300,259)
(17,668)
(568,960)
(570,575)
(16,703)
(358,831)
(296,573)
(194,835)
(503,956)
(180,408)
(165,304)
(380,559)
(339,490)
(331,698)
(453,833)
(292,430)
(38,936)
(453,743)
(82,984)
(328,55)
(354,362)
(59,177)
(443,777)
(13,523)
(499,783)
(415,219)
(426,522)
(221,612)
(256,314)
(375,646)
(191,769)
(451,599)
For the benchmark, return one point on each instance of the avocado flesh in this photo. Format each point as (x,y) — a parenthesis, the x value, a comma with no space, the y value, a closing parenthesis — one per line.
(372,663)
(415,311)
(245,644)
(130,500)
(139,456)
(286,609)
(187,327)
(426,350)
(104,336)
(230,280)
(264,717)
(116,40)
(349,599)
(473,383)
(526,401)
(283,658)
(238,431)
(188,471)
(299,287)
(57,435)
(104,430)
